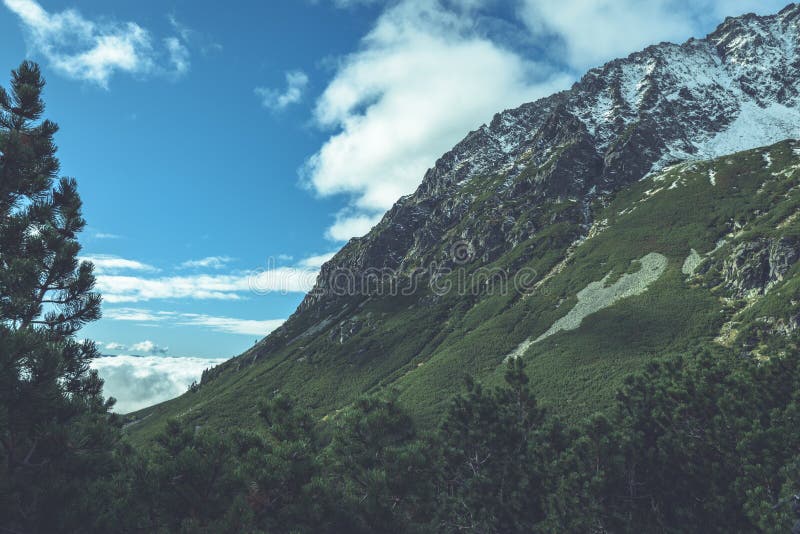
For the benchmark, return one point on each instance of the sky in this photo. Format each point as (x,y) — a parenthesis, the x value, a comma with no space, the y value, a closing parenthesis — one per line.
(224,154)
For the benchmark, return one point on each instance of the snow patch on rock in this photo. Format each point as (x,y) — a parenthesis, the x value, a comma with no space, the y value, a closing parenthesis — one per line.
(754,126)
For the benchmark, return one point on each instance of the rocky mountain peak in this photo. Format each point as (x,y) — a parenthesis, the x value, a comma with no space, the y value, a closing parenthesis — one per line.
(733,90)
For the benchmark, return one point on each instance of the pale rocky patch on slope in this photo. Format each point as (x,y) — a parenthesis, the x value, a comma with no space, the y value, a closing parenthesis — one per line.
(521,349)
(598,296)
(596,228)
(691,262)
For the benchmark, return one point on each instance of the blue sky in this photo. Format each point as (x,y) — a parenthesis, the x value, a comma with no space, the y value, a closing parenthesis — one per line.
(222,150)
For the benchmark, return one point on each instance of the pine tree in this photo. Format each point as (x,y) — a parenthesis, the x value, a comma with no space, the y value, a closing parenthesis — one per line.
(379,472)
(496,449)
(54,430)
(278,463)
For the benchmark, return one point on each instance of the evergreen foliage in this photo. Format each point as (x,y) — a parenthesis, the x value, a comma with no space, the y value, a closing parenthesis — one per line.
(695,444)
(55,431)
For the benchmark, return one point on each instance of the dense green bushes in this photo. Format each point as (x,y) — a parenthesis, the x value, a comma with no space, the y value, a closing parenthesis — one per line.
(700,444)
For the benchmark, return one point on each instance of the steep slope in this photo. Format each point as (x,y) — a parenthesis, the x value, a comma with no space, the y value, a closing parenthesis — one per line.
(537,237)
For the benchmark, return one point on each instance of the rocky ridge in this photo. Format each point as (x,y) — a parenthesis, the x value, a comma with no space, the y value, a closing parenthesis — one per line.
(733,90)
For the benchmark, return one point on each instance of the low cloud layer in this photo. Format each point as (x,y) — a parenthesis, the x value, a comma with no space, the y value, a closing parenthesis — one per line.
(138,382)
(142,347)
(94,50)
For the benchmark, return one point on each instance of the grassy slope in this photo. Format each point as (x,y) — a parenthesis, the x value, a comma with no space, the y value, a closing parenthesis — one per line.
(423,346)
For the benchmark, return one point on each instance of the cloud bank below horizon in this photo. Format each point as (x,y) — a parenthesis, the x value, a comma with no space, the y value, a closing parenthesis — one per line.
(141,381)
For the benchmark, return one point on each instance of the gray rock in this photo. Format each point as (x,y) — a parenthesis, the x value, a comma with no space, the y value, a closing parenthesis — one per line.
(755,266)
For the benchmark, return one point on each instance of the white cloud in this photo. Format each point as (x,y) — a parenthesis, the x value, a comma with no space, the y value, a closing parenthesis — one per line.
(229,325)
(347,226)
(594,31)
(134,314)
(178,55)
(119,281)
(119,288)
(148,347)
(93,51)
(181,29)
(276,99)
(422,79)
(105,235)
(213,262)
(342,4)
(107,263)
(315,262)
(138,382)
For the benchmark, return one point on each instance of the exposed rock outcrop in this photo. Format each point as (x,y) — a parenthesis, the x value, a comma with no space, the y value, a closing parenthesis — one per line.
(755,266)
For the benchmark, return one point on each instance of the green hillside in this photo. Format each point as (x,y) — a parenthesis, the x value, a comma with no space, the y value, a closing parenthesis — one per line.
(679,260)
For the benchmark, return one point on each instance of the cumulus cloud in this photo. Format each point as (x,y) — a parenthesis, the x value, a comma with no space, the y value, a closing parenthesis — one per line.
(349,225)
(94,51)
(148,347)
(279,99)
(591,32)
(228,325)
(138,382)
(107,263)
(315,262)
(424,76)
(213,262)
(113,345)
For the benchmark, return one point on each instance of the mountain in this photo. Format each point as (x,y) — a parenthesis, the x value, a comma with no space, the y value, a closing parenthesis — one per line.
(648,211)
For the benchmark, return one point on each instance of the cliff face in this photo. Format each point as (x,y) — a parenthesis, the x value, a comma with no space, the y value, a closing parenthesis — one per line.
(734,90)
